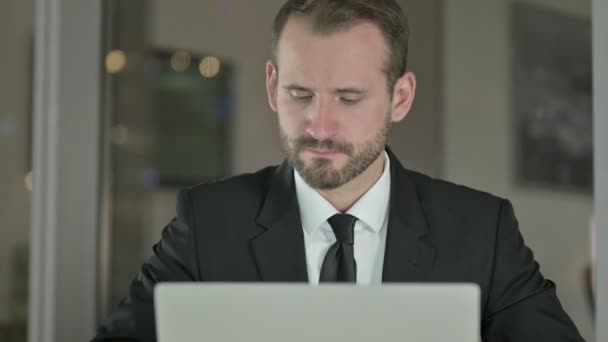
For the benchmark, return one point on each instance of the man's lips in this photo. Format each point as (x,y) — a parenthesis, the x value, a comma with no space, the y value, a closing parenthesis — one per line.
(322,152)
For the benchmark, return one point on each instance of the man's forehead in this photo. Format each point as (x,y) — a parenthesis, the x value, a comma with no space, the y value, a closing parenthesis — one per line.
(300,29)
(351,58)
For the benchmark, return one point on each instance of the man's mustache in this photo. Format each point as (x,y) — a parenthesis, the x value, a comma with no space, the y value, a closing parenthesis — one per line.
(327,145)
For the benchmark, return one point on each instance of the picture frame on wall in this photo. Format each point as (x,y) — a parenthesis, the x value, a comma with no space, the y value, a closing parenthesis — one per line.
(192,103)
(552,98)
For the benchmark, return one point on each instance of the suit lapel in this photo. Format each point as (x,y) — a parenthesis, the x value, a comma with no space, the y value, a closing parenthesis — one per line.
(409,254)
(279,250)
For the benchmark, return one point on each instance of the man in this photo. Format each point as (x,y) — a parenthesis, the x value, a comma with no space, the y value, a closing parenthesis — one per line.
(341,207)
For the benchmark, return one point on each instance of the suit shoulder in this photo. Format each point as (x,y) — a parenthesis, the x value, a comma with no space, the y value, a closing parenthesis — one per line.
(457,211)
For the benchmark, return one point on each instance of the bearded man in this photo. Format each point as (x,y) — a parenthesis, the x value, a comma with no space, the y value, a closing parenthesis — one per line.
(341,207)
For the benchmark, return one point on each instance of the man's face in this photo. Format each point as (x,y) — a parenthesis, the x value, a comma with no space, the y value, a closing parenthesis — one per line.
(332,102)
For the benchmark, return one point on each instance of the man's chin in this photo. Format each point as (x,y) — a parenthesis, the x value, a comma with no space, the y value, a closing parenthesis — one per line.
(322,179)
(323,166)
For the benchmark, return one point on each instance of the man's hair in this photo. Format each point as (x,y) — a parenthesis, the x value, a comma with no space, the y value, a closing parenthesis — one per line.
(330,16)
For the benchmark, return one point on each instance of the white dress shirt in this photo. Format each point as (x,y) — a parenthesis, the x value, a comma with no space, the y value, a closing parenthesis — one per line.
(371,211)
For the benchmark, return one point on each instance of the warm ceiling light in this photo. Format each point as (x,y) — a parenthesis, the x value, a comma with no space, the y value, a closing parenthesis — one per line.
(209,67)
(180,61)
(116,60)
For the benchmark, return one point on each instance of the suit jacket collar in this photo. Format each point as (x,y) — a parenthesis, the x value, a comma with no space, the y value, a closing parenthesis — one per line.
(409,253)
(279,250)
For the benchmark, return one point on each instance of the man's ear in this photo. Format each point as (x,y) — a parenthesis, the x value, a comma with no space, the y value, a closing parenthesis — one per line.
(271,84)
(404,92)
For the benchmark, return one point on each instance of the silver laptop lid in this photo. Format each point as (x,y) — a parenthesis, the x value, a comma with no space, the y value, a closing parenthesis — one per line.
(303,313)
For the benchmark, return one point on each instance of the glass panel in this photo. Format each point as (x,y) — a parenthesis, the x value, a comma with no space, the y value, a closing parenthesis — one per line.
(16,39)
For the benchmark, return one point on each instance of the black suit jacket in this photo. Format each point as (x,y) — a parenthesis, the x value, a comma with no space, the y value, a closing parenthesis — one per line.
(247,229)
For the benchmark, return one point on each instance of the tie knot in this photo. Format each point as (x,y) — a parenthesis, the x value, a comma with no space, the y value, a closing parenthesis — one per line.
(343,226)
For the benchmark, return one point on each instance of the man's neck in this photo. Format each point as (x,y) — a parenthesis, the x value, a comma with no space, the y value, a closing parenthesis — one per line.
(345,196)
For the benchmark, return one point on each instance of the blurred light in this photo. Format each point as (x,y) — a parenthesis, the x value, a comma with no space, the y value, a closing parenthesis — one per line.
(28,181)
(209,67)
(180,61)
(151,178)
(119,135)
(115,61)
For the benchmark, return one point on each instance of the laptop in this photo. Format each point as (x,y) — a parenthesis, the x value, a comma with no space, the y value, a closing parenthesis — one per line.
(267,312)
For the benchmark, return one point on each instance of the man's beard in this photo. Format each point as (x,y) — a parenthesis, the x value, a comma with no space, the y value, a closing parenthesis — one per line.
(320,174)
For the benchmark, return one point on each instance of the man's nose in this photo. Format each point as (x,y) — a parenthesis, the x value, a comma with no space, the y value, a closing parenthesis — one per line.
(321,121)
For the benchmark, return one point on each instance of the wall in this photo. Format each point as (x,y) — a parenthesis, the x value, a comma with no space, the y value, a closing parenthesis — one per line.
(478,143)
(16,27)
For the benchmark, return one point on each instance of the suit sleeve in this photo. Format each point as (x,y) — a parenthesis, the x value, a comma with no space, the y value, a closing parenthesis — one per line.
(522,305)
(174,260)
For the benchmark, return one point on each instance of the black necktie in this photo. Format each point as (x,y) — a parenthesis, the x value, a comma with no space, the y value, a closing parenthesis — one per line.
(339,263)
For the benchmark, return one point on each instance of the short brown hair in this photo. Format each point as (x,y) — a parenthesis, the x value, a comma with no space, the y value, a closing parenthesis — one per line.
(329,16)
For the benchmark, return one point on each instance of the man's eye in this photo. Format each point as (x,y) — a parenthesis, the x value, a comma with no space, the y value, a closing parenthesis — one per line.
(349,101)
(301,96)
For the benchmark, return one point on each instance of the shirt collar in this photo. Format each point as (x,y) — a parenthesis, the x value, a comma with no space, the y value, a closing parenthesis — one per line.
(371,208)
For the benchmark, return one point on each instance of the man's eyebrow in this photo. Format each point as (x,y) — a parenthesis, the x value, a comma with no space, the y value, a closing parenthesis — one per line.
(296,87)
(349,90)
